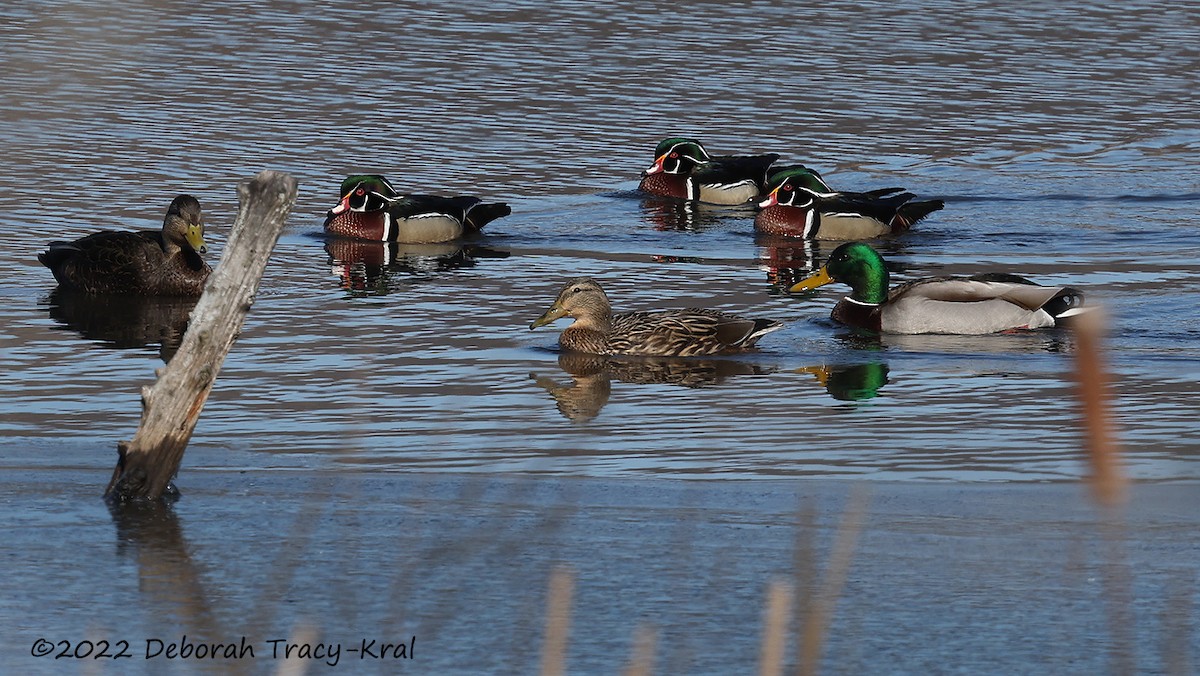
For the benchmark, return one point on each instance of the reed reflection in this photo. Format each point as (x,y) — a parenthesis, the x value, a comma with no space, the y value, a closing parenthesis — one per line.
(124,321)
(585,395)
(378,268)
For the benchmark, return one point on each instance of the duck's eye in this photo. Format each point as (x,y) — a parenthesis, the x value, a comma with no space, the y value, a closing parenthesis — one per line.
(787,187)
(577,289)
(360,192)
(673,155)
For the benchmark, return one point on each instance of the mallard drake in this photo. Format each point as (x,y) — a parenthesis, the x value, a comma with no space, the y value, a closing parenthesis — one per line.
(666,333)
(683,168)
(796,207)
(978,304)
(371,209)
(144,262)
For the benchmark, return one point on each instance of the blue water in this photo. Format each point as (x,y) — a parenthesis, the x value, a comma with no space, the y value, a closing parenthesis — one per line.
(1062,138)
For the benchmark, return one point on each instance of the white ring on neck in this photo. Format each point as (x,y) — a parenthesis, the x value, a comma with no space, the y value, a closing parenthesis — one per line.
(859,302)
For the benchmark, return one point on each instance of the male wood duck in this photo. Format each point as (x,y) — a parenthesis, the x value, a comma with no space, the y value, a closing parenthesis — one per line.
(665,333)
(796,206)
(683,169)
(372,209)
(979,304)
(144,262)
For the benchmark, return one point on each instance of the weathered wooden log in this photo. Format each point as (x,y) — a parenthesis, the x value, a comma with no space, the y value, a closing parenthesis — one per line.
(171,407)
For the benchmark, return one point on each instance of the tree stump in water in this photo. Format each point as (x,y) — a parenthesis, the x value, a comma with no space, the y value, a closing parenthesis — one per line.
(171,407)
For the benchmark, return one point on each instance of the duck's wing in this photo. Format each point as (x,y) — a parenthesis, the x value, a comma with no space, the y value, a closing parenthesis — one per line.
(1012,288)
(974,305)
(694,331)
(108,260)
(407,206)
(728,169)
(880,208)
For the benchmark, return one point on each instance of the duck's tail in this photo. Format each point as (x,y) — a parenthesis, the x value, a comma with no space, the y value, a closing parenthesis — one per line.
(57,252)
(482,214)
(1066,305)
(912,212)
(761,328)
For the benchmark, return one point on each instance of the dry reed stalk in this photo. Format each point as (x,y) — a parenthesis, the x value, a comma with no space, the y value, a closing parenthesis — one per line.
(558,622)
(775,625)
(804,565)
(1107,480)
(845,541)
(641,663)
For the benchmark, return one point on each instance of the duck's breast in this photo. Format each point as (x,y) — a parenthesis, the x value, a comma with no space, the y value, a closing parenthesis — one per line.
(665,185)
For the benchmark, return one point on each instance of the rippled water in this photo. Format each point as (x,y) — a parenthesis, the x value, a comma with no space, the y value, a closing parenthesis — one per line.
(1063,139)
(1063,145)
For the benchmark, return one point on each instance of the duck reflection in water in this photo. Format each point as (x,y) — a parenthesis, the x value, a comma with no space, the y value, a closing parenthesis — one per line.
(850,382)
(377,268)
(664,213)
(124,321)
(787,260)
(591,377)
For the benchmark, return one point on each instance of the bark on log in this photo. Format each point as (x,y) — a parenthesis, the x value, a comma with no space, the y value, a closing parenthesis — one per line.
(171,407)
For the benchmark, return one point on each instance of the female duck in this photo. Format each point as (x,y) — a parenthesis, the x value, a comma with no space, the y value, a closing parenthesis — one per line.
(145,262)
(979,304)
(371,209)
(796,206)
(666,333)
(683,169)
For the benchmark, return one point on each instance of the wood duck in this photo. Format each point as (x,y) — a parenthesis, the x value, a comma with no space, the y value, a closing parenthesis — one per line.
(683,169)
(795,207)
(371,209)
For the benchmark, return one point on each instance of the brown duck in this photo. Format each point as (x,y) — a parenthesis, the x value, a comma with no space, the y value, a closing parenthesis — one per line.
(144,263)
(665,333)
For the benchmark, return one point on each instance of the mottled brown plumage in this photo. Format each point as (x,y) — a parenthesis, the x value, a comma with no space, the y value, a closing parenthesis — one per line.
(145,263)
(666,333)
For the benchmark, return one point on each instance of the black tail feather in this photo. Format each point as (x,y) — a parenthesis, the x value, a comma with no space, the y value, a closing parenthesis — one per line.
(482,214)
(1067,299)
(913,212)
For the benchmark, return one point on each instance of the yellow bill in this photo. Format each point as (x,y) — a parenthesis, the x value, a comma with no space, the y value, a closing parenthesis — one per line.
(819,278)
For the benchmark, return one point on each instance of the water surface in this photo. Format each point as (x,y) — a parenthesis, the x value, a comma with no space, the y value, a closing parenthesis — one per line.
(1063,140)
